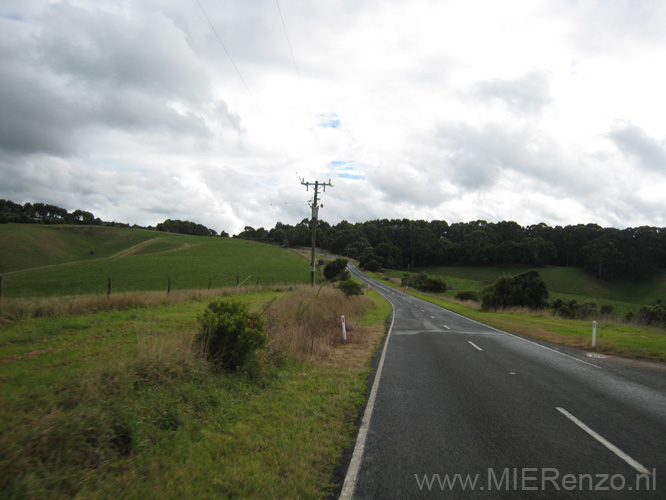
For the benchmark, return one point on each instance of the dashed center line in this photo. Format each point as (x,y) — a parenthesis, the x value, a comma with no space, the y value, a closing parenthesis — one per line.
(474,345)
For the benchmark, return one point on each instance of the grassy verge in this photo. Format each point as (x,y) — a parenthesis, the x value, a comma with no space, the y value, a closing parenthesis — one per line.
(613,337)
(119,403)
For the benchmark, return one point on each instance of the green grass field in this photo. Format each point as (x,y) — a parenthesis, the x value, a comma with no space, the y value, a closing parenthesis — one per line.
(119,404)
(563,280)
(57,260)
(565,283)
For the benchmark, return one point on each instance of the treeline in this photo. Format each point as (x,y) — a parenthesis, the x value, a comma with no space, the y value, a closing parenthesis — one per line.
(187,227)
(44,213)
(608,253)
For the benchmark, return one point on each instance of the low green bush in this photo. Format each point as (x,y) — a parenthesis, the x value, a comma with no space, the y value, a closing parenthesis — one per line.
(467,295)
(229,334)
(350,287)
(424,283)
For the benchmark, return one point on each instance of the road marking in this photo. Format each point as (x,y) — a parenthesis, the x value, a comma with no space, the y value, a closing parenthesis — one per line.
(474,345)
(605,442)
(446,327)
(355,462)
(432,317)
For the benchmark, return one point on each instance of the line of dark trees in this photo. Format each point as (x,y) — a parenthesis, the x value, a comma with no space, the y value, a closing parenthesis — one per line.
(44,213)
(608,253)
(187,227)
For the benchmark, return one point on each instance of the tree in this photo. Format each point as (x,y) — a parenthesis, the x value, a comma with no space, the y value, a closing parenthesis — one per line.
(541,252)
(368,260)
(334,269)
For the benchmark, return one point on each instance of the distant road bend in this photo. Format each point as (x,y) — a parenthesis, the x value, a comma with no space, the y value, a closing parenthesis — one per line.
(459,409)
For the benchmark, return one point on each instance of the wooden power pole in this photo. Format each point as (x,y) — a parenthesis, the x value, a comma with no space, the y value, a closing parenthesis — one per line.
(315,218)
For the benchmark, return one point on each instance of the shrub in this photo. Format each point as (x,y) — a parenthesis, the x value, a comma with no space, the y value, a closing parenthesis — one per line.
(526,290)
(229,333)
(652,315)
(350,287)
(467,295)
(606,310)
(573,310)
(334,269)
(424,283)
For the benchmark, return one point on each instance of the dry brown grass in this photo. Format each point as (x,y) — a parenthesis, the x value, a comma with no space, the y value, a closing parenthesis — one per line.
(307,323)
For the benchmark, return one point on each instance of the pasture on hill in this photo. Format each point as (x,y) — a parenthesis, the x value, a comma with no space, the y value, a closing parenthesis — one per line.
(566,283)
(38,260)
(564,280)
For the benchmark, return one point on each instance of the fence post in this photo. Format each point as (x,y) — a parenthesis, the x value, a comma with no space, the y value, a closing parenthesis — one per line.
(108,288)
(169,286)
(209,283)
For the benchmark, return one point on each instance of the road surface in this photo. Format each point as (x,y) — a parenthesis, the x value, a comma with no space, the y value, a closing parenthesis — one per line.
(459,409)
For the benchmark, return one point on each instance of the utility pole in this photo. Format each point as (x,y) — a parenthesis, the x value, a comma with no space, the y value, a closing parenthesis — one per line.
(315,217)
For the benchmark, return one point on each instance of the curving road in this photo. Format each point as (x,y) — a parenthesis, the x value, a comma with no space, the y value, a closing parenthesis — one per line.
(459,409)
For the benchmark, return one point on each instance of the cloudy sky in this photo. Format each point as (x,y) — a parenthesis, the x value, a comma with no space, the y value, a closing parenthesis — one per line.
(532,111)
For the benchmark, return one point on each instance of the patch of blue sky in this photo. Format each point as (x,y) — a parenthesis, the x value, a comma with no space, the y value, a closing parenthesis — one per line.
(344,170)
(12,16)
(329,120)
(341,165)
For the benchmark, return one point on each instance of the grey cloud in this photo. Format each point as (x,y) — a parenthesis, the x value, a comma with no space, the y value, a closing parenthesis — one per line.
(407,184)
(146,52)
(33,117)
(78,69)
(617,26)
(633,141)
(475,158)
(527,94)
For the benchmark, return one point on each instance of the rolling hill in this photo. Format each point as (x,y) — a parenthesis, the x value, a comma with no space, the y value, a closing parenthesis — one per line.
(42,260)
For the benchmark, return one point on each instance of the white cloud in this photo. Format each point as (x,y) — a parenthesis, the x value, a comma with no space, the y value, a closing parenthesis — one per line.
(525,110)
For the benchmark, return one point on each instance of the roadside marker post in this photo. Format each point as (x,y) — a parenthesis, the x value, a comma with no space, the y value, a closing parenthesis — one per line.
(594,334)
(344,329)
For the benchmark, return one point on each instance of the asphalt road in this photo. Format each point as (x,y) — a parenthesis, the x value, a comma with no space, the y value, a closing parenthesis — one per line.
(462,410)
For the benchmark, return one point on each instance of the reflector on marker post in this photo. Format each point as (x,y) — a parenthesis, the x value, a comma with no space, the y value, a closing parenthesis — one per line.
(344,329)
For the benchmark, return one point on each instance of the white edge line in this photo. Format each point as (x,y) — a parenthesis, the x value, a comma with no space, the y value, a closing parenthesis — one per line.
(355,462)
(605,442)
(474,345)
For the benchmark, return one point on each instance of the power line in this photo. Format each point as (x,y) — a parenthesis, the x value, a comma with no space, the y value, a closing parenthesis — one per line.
(298,74)
(230,59)
(240,76)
